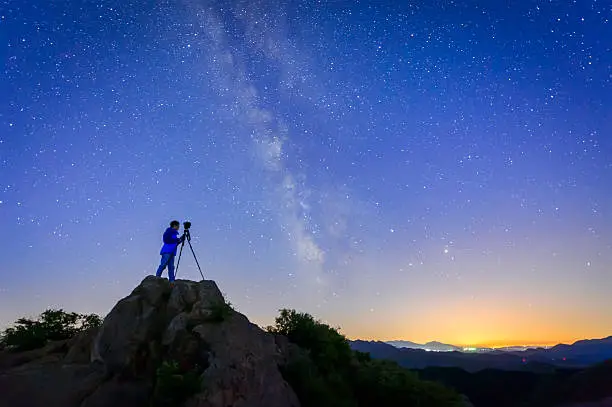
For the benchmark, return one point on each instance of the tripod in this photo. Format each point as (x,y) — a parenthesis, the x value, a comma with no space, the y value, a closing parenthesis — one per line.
(188,238)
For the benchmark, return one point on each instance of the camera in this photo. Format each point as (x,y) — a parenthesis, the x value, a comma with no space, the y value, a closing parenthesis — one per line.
(186,225)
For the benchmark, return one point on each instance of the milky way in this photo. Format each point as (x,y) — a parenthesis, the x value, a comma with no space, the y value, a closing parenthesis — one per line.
(420,171)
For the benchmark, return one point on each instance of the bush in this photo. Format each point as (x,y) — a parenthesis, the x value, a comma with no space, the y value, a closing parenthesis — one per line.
(173,385)
(312,387)
(51,325)
(332,374)
(328,348)
(382,382)
(220,311)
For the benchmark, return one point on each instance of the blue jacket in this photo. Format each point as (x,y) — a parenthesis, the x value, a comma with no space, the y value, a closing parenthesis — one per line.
(171,241)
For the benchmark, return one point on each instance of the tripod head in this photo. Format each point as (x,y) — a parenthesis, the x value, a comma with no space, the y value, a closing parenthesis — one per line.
(187,234)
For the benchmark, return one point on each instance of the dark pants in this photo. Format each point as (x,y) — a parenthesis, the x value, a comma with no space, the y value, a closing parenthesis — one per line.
(167,259)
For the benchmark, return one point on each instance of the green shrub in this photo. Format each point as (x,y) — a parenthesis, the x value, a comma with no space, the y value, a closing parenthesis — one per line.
(173,385)
(312,388)
(328,348)
(382,382)
(332,374)
(220,311)
(51,325)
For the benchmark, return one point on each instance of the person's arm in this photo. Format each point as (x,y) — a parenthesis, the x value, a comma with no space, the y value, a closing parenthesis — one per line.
(174,238)
(171,237)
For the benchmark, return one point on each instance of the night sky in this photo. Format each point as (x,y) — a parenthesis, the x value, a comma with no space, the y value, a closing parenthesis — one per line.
(422,171)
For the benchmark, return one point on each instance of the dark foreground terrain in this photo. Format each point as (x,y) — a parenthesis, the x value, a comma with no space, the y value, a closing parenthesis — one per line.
(501,388)
(186,346)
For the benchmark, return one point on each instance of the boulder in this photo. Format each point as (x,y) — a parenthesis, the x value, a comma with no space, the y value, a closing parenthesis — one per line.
(79,347)
(132,326)
(245,373)
(48,384)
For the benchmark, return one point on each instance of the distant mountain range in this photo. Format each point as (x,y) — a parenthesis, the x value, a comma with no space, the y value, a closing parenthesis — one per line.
(415,356)
(435,346)
(430,346)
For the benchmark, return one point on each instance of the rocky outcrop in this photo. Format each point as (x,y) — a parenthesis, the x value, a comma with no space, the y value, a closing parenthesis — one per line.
(234,361)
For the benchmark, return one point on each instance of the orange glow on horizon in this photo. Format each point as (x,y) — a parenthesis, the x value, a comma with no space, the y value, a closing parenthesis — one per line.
(476,325)
(487,344)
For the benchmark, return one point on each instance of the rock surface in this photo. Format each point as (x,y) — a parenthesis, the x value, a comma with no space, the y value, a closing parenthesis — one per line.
(235,362)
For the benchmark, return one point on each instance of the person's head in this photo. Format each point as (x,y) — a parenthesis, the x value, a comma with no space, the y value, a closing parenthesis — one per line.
(175,224)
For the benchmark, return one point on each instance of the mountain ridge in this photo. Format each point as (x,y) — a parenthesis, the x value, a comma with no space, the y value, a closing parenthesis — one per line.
(578,355)
(401,343)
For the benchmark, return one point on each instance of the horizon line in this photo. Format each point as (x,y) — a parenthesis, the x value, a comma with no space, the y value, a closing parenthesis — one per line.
(493,344)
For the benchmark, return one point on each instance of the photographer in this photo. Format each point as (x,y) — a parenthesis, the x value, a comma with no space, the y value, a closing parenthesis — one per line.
(171,241)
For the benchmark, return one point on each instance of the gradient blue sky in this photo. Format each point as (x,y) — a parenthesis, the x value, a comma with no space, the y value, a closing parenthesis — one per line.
(424,170)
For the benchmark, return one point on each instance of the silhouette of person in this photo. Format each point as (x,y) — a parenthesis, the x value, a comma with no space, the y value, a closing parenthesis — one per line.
(171,241)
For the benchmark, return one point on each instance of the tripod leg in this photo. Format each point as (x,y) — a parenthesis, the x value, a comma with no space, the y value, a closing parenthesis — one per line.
(179,260)
(195,258)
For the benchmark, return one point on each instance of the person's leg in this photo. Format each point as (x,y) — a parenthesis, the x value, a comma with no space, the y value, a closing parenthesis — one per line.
(164,261)
(171,268)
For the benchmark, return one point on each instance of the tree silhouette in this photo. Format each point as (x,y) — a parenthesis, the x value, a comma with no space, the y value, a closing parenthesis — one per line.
(330,373)
(51,325)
